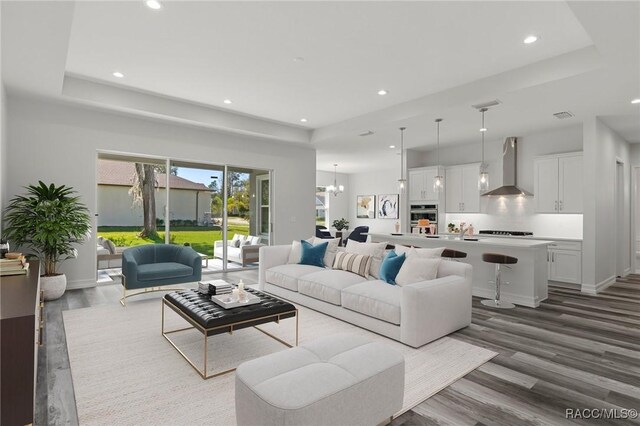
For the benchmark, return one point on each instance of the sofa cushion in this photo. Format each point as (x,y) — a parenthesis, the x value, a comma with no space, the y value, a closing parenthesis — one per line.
(164,270)
(391,266)
(286,276)
(376,299)
(375,250)
(313,254)
(417,269)
(327,285)
(357,263)
(420,252)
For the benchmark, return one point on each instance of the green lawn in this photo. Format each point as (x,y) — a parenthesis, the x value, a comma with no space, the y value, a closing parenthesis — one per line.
(201,238)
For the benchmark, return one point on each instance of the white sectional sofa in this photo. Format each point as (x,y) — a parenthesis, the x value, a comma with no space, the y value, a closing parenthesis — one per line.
(413,314)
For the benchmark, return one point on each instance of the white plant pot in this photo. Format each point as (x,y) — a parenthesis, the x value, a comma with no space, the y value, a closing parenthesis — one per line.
(53,287)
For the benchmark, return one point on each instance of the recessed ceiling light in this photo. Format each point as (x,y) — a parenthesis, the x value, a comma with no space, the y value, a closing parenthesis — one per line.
(227,101)
(118,74)
(484,129)
(636,101)
(298,59)
(382,92)
(304,120)
(530,39)
(153,4)
(392,146)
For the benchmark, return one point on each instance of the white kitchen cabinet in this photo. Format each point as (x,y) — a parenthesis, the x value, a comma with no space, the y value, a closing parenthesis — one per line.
(557,183)
(570,185)
(564,262)
(421,184)
(461,187)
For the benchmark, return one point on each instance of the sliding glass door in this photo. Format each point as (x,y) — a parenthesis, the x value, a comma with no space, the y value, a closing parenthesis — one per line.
(222,212)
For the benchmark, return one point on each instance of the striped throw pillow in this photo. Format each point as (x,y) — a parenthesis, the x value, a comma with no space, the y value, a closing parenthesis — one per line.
(351,262)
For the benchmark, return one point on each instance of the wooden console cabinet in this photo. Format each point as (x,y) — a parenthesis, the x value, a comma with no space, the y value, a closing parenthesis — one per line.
(21,332)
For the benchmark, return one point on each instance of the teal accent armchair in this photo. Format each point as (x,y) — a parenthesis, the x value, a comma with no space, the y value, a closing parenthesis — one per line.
(158,265)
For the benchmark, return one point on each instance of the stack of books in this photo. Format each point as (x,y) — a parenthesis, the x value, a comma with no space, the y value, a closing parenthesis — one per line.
(15,266)
(214,287)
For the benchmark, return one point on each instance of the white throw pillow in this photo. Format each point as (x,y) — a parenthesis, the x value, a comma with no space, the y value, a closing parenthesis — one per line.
(420,252)
(236,240)
(417,269)
(332,249)
(375,250)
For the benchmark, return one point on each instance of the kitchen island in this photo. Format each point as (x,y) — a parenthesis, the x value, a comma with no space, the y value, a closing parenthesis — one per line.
(527,279)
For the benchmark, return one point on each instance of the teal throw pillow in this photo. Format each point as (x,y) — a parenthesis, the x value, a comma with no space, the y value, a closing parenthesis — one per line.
(313,255)
(391,266)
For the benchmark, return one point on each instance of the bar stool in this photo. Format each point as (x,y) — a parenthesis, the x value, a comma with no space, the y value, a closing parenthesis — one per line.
(498,260)
(453,254)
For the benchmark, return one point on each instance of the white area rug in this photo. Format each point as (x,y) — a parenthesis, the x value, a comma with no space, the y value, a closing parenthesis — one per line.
(125,373)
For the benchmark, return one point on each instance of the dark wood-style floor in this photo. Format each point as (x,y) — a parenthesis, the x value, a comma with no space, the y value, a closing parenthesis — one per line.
(574,351)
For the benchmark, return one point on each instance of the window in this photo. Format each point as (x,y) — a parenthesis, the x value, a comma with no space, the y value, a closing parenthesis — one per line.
(321,205)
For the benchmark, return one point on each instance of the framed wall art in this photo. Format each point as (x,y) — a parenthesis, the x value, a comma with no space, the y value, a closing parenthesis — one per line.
(366,208)
(388,206)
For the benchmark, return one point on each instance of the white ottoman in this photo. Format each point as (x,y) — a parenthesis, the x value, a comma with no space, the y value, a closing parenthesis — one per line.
(338,380)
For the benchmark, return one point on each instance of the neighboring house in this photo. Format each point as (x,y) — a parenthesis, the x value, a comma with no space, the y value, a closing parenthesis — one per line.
(188,200)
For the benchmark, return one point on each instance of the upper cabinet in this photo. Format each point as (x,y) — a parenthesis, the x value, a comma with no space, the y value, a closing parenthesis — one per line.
(557,181)
(461,186)
(421,184)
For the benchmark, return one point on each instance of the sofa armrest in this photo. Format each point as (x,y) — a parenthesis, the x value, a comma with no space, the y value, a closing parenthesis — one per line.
(433,309)
(271,256)
(188,256)
(218,244)
(129,268)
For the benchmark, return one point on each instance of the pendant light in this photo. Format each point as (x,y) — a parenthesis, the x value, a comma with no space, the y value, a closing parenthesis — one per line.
(438,181)
(335,189)
(483,179)
(402,182)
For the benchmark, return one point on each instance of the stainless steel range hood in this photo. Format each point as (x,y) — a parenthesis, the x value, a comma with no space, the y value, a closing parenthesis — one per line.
(509,171)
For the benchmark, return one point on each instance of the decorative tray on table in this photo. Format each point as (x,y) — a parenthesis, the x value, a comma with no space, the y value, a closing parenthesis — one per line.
(227,301)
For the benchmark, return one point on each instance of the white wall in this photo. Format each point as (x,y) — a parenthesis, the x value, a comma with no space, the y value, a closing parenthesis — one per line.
(602,147)
(59,143)
(338,204)
(516,214)
(373,183)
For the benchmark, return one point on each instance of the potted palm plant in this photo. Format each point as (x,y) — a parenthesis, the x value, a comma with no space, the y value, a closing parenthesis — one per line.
(48,220)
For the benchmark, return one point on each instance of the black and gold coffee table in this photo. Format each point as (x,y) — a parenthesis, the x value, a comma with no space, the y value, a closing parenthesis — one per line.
(210,319)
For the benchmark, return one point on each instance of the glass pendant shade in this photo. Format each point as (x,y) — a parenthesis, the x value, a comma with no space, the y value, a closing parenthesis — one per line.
(438,181)
(483,181)
(438,184)
(483,178)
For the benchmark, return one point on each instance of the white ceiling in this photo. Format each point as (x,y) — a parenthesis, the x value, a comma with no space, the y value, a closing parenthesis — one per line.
(435,58)
(209,51)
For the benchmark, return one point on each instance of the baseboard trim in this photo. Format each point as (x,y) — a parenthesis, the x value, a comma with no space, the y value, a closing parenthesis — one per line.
(597,288)
(626,272)
(74,285)
(517,299)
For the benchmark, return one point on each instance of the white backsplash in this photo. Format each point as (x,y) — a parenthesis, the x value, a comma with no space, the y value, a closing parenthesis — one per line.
(517,214)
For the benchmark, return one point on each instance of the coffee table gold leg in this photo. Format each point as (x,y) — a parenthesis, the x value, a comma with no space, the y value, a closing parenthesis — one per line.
(204,373)
(297,313)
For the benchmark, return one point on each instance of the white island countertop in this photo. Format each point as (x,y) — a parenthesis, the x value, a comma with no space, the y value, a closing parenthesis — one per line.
(467,241)
(527,279)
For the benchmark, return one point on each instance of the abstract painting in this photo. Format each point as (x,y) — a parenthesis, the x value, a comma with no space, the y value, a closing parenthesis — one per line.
(388,206)
(366,208)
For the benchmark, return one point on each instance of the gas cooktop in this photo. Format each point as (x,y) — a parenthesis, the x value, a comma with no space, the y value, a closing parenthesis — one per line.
(511,233)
